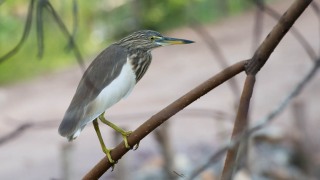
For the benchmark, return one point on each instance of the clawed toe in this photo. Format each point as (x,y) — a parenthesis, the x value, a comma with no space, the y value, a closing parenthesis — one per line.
(135,147)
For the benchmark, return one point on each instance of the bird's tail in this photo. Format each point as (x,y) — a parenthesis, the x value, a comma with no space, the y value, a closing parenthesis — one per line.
(70,125)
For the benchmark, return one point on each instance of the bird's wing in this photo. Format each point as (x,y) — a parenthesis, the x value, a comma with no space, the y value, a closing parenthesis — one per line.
(104,68)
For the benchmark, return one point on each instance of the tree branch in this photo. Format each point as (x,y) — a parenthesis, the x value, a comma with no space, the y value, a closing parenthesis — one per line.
(260,57)
(163,115)
(262,122)
(275,36)
(217,52)
(294,31)
(240,125)
(25,34)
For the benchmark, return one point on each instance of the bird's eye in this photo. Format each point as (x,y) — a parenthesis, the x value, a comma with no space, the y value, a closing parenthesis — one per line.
(152,38)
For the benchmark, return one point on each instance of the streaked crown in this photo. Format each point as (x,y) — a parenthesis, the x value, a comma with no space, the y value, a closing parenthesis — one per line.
(144,40)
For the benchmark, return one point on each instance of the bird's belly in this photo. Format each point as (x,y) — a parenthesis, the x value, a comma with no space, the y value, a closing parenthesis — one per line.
(113,93)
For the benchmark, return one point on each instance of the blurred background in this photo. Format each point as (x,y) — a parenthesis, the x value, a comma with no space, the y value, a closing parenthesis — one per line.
(99,23)
(39,75)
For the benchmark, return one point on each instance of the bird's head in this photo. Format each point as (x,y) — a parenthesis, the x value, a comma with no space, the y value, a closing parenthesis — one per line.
(148,40)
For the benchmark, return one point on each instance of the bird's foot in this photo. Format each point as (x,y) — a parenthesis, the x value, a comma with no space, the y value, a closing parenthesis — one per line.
(125,135)
(108,154)
(135,147)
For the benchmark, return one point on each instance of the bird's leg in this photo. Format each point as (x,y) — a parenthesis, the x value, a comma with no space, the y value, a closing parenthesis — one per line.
(124,133)
(103,146)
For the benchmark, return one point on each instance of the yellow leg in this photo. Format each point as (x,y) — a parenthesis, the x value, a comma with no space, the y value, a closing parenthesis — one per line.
(124,133)
(103,146)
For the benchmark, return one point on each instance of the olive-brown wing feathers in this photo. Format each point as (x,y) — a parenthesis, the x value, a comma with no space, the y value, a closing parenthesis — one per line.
(104,68)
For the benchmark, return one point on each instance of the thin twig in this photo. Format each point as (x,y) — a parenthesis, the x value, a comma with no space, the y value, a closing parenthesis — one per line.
(75,18)
(40,37)
(163,138)
(163,115)
(39,15)
(65,31)
(316,9)
(214,158)
(291,95)
(258,23)
(74,23)
(216,51)
(25,34)
(17,132)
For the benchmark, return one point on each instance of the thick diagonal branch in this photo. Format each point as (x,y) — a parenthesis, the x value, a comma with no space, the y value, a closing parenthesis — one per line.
(163,115)
(274,37)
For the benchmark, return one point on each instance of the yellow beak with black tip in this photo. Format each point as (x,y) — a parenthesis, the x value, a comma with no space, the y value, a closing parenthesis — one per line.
(165,41)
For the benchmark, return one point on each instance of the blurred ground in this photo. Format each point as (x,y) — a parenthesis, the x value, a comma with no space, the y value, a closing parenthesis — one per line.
(194,133)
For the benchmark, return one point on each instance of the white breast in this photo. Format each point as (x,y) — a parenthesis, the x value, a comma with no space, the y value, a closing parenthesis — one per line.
(113,93)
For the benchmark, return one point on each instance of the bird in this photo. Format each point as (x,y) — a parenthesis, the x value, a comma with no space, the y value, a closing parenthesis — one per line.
(110,77)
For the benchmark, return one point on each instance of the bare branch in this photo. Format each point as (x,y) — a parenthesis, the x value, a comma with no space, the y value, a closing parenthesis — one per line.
(304,43)
(24,127)
(163,138)
(40,5)
(263,121)
(74,23)
(291,95)
(257,29)
(274,37)
(259,59)
(214,158)
(216,51)
(65,31)
(164,115)
(316,9)
(25,34)
(240,125)
(17,132)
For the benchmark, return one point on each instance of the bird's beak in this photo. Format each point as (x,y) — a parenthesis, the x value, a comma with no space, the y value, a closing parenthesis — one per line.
(165,41)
